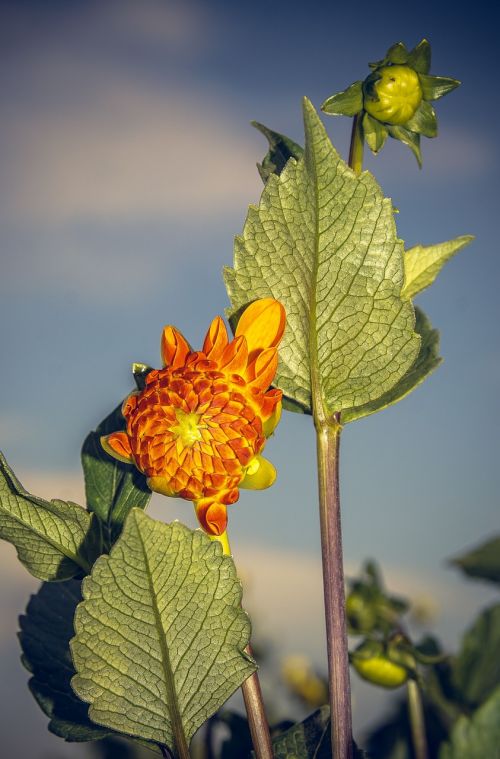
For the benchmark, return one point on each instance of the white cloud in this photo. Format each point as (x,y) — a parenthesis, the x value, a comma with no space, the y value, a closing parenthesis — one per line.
(125,150)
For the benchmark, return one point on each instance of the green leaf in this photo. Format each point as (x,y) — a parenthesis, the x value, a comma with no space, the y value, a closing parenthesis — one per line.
(483,562)
(423,263)
(410,139)
(281,149)
(374,132)
(46,629)
(161,633)
(435,87)
(427,361)
(112,488)
(309,739)
(397,54)
(424,120)
(420,57)
(349,102)
(140,372)
(476,670)
(55,540)
(323,242)
(478,736)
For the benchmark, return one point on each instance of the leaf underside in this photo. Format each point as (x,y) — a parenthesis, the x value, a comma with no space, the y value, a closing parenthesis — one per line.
(161,633)
(54,539)
(323,242)
(46,629)
(112,488)
(476,669)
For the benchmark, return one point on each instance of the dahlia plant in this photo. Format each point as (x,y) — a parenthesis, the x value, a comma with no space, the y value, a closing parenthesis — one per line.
(138,629)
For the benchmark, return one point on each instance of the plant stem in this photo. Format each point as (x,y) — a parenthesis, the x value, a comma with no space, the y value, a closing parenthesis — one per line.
(328,440)
(417,720)
(356,148)
(252,694)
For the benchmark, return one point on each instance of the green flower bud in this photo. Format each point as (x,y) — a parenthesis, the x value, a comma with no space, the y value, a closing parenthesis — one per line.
(379,670)
(392,94)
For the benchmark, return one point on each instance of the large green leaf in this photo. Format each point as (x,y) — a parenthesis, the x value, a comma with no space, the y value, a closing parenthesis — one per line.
(112,488)
(428,359)
(323,242)
(423,263)
(478,736)
(46,629)
(483,562)
(55,540)
(161,633)
(476,670)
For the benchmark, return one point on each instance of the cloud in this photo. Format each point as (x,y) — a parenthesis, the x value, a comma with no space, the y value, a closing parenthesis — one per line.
(126,152)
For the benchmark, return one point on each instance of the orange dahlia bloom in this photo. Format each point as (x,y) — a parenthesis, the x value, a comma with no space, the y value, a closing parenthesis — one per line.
(198,427)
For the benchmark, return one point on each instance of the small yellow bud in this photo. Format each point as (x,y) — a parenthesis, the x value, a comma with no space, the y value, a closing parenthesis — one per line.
(399,95)
(379,670)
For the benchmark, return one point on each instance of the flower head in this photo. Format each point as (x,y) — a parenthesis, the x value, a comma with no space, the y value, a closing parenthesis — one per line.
(197,427)
(395,98)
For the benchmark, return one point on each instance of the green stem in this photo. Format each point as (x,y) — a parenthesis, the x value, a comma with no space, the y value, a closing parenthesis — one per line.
(328,441)
(417,720)
(357,143)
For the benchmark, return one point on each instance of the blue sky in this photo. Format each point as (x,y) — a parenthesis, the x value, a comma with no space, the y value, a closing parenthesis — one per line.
(127,166)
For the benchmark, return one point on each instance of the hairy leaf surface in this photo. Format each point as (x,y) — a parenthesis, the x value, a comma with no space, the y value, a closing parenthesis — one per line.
(112,488)
(323,242)
(160,634)
(54,539)
(46,629)
(424,262)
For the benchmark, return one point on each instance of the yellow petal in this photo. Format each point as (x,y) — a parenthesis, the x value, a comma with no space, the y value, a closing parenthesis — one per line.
(270,424)
(262,323)
(161,485)
(118,445)
(174,347)
(260,474)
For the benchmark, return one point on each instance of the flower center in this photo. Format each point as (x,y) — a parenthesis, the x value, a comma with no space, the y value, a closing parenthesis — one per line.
(188,428)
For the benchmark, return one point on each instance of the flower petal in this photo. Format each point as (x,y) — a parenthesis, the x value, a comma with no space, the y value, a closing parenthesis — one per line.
(261,372)
(212,515)
(161,485)
(262,323)
(260,474)
(118,445)
(235,356)
(216,339)
(174,348)
(270,424)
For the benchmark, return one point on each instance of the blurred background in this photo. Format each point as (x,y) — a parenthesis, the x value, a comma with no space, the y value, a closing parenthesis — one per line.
(127,164)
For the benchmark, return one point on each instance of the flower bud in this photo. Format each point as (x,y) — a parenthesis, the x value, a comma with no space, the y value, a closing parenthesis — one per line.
(392,94)
(380,670)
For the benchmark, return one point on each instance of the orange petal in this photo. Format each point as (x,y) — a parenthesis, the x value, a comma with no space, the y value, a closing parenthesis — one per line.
(162,485)
(212,516)
(216,339)
(262,371)
(235,356)
(174,348)
(118,445)
(263,324)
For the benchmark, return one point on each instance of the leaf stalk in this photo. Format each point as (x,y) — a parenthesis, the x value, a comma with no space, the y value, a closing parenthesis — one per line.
(328,441)
(417,720)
